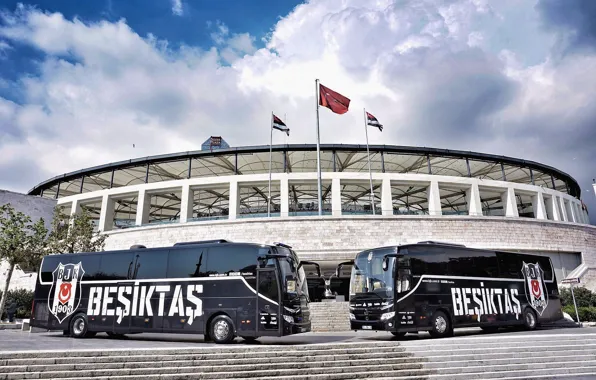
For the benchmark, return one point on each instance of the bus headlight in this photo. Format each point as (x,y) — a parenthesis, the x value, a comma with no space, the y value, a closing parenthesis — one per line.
(352,317)
(289,318)
(387,316)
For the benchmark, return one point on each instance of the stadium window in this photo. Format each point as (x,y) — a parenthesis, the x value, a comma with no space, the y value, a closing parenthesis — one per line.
(188,262)
(115,266)
(225,259)
(151,264)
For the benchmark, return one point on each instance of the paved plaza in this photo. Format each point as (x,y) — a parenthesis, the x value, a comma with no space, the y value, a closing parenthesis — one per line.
(14,340)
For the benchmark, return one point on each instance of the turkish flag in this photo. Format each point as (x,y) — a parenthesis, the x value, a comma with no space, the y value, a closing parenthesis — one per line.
(335,102)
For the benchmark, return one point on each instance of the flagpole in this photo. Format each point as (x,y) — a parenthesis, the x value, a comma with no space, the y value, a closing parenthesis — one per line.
(317,96)
(270,154)
(372,194)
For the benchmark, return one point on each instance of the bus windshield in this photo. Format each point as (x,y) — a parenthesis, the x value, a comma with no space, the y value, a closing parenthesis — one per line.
(368,276)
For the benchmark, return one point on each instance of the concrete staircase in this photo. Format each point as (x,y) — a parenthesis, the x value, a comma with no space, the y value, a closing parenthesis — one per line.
(318,361)
(531,356)
(330,316)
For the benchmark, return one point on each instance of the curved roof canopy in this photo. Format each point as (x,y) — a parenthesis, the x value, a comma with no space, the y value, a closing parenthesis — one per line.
(303,158)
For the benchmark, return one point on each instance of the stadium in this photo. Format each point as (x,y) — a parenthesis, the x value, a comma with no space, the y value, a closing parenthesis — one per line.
(220,192)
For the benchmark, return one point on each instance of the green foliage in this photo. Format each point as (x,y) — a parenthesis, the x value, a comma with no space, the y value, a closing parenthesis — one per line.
(80,237)
(23,299)
(586,314)
(583,297)
(21,242)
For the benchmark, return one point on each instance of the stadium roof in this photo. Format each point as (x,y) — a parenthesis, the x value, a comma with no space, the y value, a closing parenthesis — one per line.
(302,158)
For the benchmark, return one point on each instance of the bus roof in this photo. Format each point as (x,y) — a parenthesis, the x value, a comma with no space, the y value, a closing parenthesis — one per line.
(182,245)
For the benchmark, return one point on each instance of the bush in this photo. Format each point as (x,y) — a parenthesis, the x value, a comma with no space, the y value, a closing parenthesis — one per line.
(583,297)
(586,314)
(23,299)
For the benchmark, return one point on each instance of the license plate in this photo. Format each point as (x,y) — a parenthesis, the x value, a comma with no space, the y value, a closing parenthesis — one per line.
(366,327)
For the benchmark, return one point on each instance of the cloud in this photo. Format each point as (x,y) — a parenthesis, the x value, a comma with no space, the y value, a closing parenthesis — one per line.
(428,70)
(177,8)
(574,20)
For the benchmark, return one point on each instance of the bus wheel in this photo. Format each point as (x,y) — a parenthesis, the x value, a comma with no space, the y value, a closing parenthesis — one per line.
(529,319)
(441,327)
(79,326)
(222,329)
(398,334)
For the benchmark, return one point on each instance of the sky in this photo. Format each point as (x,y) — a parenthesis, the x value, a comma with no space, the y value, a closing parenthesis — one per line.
(81,82)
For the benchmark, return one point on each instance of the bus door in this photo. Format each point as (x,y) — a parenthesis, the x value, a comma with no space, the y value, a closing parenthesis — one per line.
(268,303)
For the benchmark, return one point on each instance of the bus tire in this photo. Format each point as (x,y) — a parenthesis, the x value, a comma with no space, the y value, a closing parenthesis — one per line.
(221,329)
(530,320)
(79,326)
(440,325)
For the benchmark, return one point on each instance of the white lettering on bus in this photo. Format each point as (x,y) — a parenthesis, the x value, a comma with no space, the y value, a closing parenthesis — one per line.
(112,300)
(483,301)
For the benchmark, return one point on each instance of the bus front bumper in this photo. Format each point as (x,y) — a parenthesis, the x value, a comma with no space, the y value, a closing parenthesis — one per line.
(378,325)
(296,328)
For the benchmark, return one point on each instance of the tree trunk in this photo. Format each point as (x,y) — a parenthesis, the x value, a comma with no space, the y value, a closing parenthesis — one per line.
(5,290)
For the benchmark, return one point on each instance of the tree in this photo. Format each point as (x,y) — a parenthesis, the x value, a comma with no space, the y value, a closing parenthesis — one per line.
(72,234)
(21,243)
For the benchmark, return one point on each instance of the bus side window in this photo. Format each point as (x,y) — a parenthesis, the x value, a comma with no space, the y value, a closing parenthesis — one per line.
(115,265)
(50,263)
(403,275)
(150,265)
(187,262)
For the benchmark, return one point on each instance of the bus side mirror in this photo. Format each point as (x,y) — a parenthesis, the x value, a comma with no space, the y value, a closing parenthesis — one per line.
(311,263)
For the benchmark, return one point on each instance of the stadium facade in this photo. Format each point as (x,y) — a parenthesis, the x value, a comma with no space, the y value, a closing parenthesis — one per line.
(476,199)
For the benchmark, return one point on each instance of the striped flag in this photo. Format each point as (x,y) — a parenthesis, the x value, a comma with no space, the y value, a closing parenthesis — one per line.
(280,125)
(372,121)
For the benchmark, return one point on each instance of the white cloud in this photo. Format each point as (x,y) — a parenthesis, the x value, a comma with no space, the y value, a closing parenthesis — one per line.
(177,7)
(427,69)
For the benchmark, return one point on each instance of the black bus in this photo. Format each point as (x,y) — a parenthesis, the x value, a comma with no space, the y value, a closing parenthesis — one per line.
(436,287)
(217,288)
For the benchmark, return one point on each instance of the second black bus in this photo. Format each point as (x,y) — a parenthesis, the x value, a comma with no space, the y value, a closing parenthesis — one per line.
(437,287)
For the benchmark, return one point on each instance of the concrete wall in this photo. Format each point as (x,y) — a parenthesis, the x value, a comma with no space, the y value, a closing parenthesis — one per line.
(35,207)
(339,238)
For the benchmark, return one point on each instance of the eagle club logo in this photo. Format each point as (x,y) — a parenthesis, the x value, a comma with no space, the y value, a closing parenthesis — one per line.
(535,287)
(65,293)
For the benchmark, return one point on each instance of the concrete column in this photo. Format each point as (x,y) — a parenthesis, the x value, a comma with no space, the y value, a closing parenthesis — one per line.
(473,200)
(234,202)
(284,197)
(509,203)
(143,207)
(562,210)
(336,197)
(186,203)
(106,215)
(75,208)
(386,197)
(553,206)
(538,206)
(434,199)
